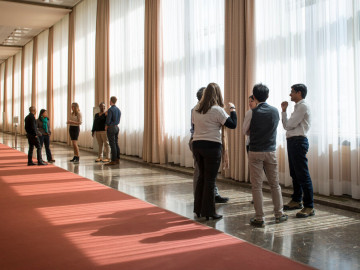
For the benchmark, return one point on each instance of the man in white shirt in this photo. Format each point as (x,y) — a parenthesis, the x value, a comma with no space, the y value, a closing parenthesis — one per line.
(297,127)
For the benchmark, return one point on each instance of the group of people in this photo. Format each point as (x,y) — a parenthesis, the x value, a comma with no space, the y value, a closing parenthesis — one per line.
(105,128)
(38,133)
(209,146)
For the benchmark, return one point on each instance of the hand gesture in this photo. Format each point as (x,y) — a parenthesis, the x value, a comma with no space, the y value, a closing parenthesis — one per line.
(284,105)
(231,105)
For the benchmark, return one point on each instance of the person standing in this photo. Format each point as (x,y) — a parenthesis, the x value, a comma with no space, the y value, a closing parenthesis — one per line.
(218,198)
(112,131)
(98,130)
(32,136)
(297,127)
(246,124)
(208,118)
(247,120)
(262,155)
(74,130)
(43,126)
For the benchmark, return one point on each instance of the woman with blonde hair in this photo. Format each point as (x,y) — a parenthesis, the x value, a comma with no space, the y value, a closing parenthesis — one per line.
(208,118)
(75,120)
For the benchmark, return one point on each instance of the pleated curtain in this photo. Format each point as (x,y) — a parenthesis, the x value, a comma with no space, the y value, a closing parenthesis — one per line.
(239,77)
(154,140)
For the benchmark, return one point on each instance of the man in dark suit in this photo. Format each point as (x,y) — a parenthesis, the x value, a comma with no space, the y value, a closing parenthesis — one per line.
(32,135)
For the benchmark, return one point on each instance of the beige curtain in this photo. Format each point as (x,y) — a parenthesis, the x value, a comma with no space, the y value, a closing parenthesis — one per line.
(12,95)
(102,73)
(154,139)
(34,75)
(71,66)
(50,86)
(239,76)
(5,121)
(22,110)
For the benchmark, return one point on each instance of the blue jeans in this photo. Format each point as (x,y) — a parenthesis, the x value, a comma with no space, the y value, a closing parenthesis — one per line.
(113,136)
(303,189)
(45,139)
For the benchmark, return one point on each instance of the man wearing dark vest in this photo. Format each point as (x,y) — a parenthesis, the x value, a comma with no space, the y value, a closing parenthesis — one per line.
(262,155)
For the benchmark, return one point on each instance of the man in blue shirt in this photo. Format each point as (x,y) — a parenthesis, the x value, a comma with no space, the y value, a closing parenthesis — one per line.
(112,130)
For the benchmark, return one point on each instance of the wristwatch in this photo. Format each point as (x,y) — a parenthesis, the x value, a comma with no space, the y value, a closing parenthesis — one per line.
(232,107)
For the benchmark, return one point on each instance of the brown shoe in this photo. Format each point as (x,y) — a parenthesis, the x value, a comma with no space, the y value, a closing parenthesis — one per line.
(293,205)
(305,212)
(111,163)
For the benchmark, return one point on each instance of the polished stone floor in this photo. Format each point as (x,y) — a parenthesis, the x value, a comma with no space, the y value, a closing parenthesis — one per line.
(328,240)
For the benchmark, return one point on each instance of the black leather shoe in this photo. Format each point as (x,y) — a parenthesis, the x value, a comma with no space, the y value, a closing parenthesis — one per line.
(31,164)
(73,159)
(219,199)
(215,216)
(42,163)
(198,215)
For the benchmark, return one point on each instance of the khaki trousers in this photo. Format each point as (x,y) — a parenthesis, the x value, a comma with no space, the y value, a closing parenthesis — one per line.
(103,144)
(258,161)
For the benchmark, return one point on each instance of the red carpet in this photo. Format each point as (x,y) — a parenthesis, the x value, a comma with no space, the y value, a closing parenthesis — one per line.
(54,219)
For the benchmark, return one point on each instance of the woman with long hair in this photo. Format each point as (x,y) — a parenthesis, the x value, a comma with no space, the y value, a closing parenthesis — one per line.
(208,118)
(43,126)
(75,120)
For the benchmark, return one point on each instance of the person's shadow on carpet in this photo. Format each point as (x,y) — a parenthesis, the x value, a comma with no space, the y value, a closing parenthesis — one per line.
(138,221)
(182,235)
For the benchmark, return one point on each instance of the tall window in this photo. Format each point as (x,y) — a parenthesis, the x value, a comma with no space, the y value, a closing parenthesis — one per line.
(9,84)
(17,86)
(28,50)
(41,74)
(193,34)
(2,76)
(85,27)
(60,79)
(316,43)
(127,70)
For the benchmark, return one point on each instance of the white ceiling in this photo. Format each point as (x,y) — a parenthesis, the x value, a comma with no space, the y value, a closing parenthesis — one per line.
(20,21)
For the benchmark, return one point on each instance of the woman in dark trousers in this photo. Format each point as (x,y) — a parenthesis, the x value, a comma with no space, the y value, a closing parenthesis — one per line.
(208,118)
(43,126)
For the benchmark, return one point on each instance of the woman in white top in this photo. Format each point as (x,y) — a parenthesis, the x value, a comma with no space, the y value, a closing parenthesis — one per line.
(208,118)
(75,121)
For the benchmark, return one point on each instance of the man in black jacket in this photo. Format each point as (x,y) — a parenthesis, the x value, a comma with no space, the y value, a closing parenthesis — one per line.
(32,135)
